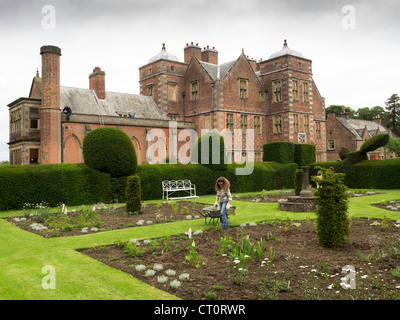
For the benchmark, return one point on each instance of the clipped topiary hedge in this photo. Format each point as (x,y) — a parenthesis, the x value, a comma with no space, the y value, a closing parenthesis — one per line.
(53,184)
(281,152)
(265,176)
(133,194)
(110,150)
(373,174)
(209,150)
(304,154)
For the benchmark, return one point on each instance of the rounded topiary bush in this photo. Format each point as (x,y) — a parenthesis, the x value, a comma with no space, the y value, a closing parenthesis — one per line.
(343,152)
(110,150)
(133,194)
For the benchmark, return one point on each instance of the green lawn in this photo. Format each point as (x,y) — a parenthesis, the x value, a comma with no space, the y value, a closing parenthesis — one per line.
(78,277)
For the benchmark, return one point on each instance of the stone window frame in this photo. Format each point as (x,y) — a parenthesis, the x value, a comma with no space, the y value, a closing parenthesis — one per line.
(277,124)
(230,121)
(276,90)
(194,90)
(257,125)
(150,89)
(243,123)
(295,90)
(296,125)
(318,129)
(243,88)
(16,120)
(307,124)
(306,97)
(331,144)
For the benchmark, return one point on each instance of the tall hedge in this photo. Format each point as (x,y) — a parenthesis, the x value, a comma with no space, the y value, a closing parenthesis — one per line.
(209,150)
(281,152)
(110,150)
(71,184)
(304,154)
(373,174)
(265,176)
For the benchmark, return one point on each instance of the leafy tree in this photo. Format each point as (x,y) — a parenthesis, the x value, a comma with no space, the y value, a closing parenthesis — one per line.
(393,145)
(393,107)
(337,109)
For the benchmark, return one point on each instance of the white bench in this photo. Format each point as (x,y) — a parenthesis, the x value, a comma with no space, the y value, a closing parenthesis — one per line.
(172,186)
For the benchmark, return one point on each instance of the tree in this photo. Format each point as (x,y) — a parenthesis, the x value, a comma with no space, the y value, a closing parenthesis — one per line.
(337,109)
(393,107)
(393,145)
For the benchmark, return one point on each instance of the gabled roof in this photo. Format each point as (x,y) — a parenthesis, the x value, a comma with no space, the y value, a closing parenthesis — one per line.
(217,71)
(357,127)
(85,101)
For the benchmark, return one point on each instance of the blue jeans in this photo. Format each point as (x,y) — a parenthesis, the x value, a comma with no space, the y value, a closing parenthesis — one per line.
(222,206)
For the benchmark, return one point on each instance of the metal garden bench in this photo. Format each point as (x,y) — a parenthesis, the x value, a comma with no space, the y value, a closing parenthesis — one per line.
(172,186)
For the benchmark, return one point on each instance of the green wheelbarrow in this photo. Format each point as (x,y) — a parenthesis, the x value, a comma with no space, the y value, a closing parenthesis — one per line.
(213,215)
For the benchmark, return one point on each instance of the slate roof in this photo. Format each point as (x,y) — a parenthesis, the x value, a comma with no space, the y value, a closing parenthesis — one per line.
(85,101)
(356,127)
(218,71)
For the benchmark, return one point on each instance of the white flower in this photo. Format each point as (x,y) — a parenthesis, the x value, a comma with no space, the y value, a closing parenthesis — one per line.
(330,286)
(364,277)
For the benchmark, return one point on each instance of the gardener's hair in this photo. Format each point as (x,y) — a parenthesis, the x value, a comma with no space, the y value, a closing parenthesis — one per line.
(225,185)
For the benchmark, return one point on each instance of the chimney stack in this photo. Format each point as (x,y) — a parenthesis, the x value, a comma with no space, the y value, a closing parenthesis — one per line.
(192,50)
(209,55)
(50,115)
(97,82)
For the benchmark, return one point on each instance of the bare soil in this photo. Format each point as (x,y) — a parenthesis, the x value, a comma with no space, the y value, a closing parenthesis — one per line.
(293,265)
(112,218)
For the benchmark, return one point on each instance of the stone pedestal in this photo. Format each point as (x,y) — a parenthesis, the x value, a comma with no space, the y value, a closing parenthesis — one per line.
(303,202)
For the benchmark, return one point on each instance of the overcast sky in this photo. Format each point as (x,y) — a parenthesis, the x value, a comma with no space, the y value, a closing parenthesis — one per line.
(354,45)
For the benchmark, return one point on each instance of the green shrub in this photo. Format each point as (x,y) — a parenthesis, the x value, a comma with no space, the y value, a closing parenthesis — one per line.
(71,184)
(333,224)
(371,144)
(110,150)
(298,181)
(265,176)
(343,153)
(133,194)
(281,152)
(375,142)
(373,174)
(304,154)
(355,157)
(209,150)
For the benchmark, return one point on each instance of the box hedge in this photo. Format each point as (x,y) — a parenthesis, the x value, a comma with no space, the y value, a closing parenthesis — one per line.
(304,154)
(265,176)
(77,184)
(375,174)
(72,184)
(281,152)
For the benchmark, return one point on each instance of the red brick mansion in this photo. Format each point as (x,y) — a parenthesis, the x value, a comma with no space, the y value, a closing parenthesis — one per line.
(276,98)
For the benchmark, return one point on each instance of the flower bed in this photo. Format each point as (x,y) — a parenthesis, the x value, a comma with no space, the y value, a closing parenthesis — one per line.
(101,218)
(272,260)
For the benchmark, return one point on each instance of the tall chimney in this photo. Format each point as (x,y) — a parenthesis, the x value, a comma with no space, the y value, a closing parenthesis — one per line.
(209,55)
(50,115)
(192,50)
(97,82)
